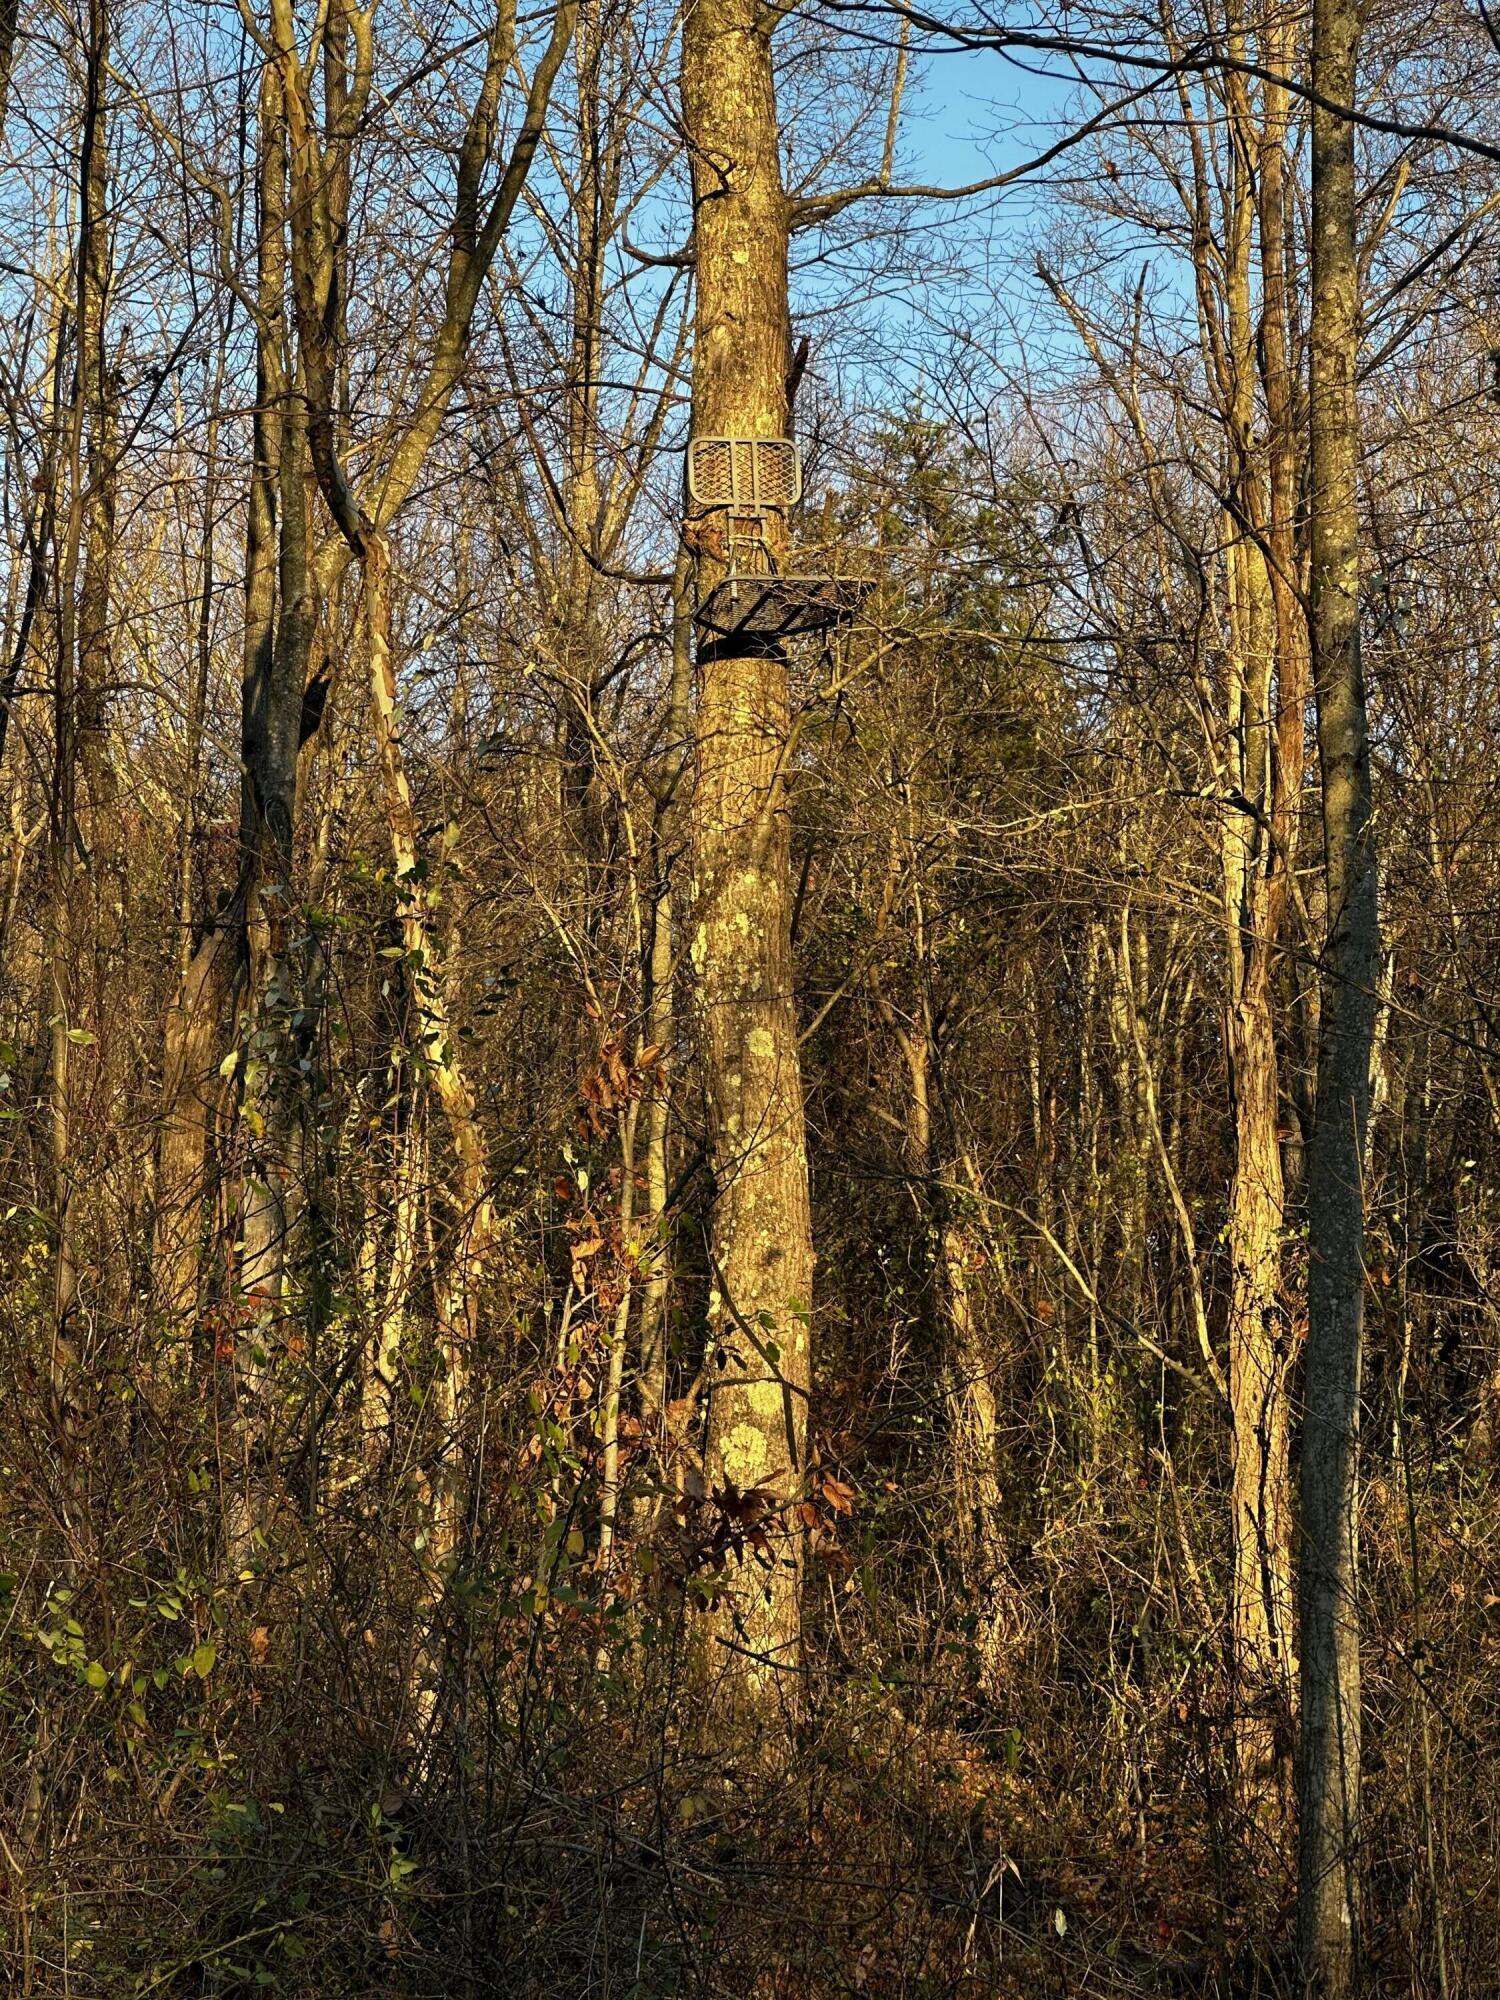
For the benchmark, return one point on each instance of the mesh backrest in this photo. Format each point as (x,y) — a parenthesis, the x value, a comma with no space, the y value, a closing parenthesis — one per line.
(744,472)
(711,471)
(779,476)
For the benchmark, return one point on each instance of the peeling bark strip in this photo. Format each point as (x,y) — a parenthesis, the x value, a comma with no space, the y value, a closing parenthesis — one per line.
(1328,1886)
(741,943)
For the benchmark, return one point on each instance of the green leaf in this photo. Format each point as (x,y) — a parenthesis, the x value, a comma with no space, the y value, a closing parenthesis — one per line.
(203,1659)
(95,1675)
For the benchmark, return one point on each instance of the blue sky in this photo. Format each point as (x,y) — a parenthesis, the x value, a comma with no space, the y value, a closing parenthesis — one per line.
(975,113)
(966,117)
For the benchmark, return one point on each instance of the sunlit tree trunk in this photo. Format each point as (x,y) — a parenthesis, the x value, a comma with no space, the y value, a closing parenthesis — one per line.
(436,1035)
(390,1274)
(1260,1356)
(1253,873)
(1236,189)
(760,1329)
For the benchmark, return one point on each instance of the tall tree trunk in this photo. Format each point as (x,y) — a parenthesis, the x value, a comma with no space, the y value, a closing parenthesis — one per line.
(760,1330)
(1330,1753)
(579,633)
(1259,1385)
(193,1018)
(390,1295)
(78,711)
(437,1042)
(194,1021)
(190,1055)
(1259,1331)
(41,515)
(1242,348)
(280,630)
(964,1354)
(658,978)
(319,166)
(96,389)
(273,728)
(10,27)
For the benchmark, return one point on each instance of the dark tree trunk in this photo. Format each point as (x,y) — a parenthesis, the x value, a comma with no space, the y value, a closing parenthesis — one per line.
(1330,1752)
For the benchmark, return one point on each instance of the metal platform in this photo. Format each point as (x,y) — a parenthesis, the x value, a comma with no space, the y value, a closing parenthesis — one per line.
(780,607)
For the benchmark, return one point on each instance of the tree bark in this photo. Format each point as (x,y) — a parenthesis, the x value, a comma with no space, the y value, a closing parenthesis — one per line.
(10,26)
(193,1023)
(1254,895)
(1328,1888)
(281,618)
(437,1042)
(78,699)
(659,981)
(1259,1394)
(760,1330)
